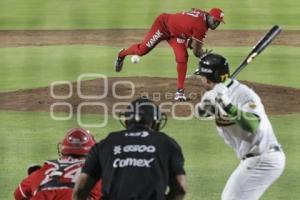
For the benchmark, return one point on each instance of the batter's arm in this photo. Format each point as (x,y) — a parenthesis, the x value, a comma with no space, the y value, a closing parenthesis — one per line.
(247,120)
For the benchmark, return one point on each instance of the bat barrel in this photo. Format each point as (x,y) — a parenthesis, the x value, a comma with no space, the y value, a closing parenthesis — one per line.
(258,48)
(267,39)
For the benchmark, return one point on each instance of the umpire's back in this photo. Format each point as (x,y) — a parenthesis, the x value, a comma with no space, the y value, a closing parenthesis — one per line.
(140,162)
(137,164)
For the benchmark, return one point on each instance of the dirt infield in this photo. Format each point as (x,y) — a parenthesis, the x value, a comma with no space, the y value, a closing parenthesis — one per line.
(160,90)
(124,37)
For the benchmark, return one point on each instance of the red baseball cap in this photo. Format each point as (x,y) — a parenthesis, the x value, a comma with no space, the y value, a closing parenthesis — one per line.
(217,13)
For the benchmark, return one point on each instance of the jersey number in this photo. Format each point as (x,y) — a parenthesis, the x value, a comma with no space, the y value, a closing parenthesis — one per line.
(69,173)
(193,13)
(72,174)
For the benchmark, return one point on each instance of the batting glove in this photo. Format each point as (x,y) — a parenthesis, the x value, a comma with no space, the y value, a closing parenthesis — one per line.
(222,98)
(206,107)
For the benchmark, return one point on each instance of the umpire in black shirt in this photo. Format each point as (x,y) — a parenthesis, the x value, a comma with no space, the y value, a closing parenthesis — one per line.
(139,163)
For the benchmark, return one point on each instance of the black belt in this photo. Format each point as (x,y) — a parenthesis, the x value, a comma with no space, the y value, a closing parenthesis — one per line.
(271,149)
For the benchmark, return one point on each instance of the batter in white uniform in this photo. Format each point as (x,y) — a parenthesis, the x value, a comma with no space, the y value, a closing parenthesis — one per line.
(243,124)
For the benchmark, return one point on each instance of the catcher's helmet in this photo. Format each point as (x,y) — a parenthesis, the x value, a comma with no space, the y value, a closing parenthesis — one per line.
(214,67)
(77,142)
(144,112)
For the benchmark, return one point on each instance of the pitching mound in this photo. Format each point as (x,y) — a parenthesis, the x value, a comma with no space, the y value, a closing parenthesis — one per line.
(105,96)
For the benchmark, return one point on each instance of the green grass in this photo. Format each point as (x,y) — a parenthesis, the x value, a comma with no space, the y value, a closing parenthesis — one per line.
(32,137)
(30,67)
(98,14)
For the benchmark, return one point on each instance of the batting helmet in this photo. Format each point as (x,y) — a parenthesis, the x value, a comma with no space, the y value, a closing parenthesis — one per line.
(77,142)
(214,67)
(144,112)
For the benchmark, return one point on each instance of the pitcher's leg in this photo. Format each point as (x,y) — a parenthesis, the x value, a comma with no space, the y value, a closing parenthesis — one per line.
(181,56)
(181,74)
(153,37)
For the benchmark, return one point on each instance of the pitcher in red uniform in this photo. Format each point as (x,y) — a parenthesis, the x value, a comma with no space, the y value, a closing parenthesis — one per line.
(55,179)
(181,30)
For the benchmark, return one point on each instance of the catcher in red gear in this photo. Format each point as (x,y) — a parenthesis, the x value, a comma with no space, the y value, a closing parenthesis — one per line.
(55,179)
(181,30)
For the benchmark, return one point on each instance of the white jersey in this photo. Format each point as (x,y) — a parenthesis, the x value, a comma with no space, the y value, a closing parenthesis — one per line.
(244,142)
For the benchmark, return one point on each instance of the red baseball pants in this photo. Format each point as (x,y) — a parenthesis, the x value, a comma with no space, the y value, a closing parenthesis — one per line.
(156,34)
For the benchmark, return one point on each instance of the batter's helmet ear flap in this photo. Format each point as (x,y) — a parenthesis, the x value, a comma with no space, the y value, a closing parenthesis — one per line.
(216,76)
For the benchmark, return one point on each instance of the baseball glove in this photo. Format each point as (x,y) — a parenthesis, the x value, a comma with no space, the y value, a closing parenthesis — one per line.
(32,168)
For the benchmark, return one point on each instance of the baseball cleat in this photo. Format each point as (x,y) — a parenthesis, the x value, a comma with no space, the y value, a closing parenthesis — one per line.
(179,95)
(119,62)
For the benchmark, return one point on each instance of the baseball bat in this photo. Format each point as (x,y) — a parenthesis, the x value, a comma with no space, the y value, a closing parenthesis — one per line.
(258,48)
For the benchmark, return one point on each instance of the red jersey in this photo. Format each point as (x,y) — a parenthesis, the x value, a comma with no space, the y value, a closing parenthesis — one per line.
(55,180)
(187,24)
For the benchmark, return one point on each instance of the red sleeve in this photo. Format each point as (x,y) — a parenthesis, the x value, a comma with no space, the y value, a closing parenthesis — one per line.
(199,35)
(96,193)
(28,185)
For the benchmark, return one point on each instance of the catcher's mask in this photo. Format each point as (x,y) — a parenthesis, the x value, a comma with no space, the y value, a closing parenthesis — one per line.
(143,111)
(77,142)
(214,67)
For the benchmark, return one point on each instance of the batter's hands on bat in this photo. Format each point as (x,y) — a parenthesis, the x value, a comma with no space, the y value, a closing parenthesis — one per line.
(222,98)
(206,107)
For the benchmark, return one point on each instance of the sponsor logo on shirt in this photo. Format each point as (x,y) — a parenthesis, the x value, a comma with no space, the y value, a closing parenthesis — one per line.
(139,148)
(132,162)
(252,105)
(180,41)
(154,39)
(117,150)
(137,134)
(133,148)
